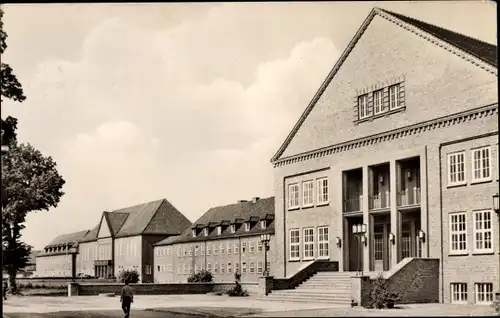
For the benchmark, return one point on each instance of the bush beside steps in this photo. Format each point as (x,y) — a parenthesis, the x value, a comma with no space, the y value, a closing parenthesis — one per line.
(380,297)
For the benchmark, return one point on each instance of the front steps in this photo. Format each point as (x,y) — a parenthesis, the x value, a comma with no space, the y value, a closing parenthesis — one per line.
(323,287)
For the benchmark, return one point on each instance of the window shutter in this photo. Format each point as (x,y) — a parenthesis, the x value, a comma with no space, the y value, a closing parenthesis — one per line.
(369,108)
(402,94)
(385,99)
(356,108)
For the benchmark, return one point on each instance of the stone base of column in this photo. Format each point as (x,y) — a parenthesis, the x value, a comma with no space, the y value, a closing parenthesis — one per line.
(360,290)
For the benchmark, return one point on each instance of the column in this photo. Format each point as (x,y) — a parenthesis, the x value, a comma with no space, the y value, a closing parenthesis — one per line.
(338,197)
(424,225)
(366,219)
(395,219)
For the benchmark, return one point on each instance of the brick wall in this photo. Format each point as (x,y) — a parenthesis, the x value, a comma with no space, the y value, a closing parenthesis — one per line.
(162,289)
(56,281)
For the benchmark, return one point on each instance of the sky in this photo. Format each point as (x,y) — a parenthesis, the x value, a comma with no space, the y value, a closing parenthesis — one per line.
(183,101)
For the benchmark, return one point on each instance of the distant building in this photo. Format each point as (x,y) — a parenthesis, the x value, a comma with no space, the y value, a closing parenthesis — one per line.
(58,259)
(225,240)
(30,268)
(123,240)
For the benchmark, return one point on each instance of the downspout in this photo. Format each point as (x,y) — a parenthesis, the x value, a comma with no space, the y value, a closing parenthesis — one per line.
(239,255)
(441,221)
(284,228)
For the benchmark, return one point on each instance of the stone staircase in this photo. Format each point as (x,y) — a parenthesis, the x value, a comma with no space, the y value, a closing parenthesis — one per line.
(323,287)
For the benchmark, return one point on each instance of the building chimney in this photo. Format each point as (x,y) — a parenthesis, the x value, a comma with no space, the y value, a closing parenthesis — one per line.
(242,201)
(255,199)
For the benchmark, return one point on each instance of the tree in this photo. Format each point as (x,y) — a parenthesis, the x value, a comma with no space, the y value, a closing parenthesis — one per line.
(30,182)
(10,88)
(131,276)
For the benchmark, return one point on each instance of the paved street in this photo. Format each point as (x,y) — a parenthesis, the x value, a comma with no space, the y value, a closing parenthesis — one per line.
(212,306)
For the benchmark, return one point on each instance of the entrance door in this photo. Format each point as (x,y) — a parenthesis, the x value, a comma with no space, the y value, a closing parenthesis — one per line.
(410,243)
(353,247)
(381,247)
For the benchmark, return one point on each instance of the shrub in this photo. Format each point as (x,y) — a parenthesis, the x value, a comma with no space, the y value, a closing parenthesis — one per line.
(132,276)
(237,290)
(380,297)
(202,276)
(496,305)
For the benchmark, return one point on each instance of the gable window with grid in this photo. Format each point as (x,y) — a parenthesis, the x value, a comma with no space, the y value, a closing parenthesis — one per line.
(483,232)
(294,244)
(481,167)
(323,245)
(307,193)
(293,196)
(458,293)
(363,106)
(456,168)
(308,243)
(394,99)
(484,293)
(458,233)
(378,106)
(322,191)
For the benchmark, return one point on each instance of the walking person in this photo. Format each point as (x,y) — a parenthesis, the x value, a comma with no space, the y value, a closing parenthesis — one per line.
(127,298)
(5,289)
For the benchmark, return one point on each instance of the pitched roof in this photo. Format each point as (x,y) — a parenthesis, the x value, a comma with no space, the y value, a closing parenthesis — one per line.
(91,235)
(115,220)
(74,238)
(484,51)
(261,209)
(168,240)
(480,50)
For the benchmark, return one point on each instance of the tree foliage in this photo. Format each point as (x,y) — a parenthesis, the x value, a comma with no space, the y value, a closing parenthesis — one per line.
(131,276)
(202,276)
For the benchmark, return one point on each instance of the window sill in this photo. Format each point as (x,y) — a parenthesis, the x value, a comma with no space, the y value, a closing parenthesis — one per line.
(322,203)
(294,260)
(294,208)
(483,253)
(304,207)
(308,259)
(481,181)
(380,115)
(458,254)
(324,258)
(456,185)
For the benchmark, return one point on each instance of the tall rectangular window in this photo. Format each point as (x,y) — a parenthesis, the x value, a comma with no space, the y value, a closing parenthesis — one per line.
(481,167)
(483,232)
(308,243)
(251,247)
(215,249)
(458,293)
(307,193)
(252,267)
(293,196)
(377,101)
(237,267)
(222,249)
(216,268)
(458,233)
(363,106)
(243,267)
(209,267)
(294,244)
(323,191)
(222,268)
(456,168)
(209,249)
(236,248)
(243,247)
(229,268)
(323,242)
(394,101)
(259,267)
(229,248)
(202,250)
(484,293)
(259,246)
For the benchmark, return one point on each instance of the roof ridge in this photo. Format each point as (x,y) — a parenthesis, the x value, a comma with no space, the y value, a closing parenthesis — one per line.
(397,15)
(154,214)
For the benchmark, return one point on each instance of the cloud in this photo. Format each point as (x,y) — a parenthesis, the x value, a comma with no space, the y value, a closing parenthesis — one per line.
(137,119)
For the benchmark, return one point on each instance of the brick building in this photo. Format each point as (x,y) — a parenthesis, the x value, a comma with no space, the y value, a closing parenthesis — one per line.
(123,240)
(224,240)
(59,258)
(402,137)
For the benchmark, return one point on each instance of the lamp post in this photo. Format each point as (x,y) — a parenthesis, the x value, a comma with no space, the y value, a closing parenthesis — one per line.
(359,231)
(265,238)
(496,208)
